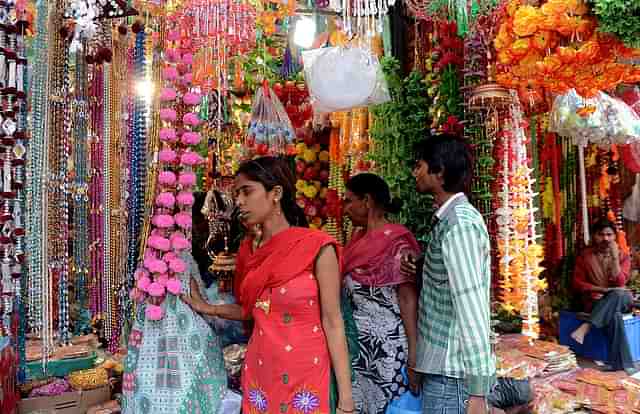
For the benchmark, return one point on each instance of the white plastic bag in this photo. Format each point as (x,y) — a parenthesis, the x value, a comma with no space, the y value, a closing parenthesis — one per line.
(231,403)
(341,78)
(631,208)
(598,120)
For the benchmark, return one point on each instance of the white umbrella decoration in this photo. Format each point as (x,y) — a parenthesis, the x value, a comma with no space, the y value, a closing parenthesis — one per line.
(601,120)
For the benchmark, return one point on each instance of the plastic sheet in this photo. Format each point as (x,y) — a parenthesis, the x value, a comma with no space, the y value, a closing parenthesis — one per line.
(340,78)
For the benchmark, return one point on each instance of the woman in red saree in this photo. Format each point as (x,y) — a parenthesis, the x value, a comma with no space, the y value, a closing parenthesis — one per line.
(384,300)
(290,287)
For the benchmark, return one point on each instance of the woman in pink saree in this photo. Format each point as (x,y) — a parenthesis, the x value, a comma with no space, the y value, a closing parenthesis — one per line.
(384,301)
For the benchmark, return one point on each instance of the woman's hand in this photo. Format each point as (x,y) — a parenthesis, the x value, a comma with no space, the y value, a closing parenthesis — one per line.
(196,303)
(345,407)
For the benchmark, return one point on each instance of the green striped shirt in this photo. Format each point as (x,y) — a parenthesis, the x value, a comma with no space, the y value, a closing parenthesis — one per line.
(454,309)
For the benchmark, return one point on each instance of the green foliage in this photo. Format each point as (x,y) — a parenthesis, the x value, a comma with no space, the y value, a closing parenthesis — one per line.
(620,18)
(260,64)
(398,125)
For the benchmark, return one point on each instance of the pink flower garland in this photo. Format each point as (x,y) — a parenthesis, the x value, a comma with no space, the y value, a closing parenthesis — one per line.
(160,271)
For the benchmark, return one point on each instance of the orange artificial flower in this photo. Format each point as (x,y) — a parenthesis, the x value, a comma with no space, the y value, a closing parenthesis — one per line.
(586,27)
(503,39)
(588,52)
(520,47)
(527,20)
(543,40)
(585,111)
(577,7)
(550,65)
(504,57)
(567,54)
(512,7)
(567,25)
(554,8)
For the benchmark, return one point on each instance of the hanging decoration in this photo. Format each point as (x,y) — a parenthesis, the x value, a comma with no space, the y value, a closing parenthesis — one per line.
(556,47)
(159,274)
(520,254)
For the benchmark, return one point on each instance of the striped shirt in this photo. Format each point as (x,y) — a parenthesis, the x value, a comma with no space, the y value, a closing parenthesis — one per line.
(454,308)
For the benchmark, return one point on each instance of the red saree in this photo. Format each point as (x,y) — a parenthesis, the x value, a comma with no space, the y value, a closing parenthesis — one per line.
(287,366)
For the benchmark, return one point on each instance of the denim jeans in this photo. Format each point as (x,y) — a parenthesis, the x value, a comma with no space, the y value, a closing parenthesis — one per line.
(443,395)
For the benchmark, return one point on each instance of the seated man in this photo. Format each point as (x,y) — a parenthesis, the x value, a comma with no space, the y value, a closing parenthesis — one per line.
(600,276)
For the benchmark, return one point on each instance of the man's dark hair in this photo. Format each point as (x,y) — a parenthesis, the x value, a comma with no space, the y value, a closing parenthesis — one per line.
(448,154)
(602,224)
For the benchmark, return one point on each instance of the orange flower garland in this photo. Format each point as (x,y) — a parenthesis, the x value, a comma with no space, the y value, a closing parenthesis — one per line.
(556,47)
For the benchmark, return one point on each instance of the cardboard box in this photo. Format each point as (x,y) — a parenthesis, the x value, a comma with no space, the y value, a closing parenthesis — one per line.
(73,402)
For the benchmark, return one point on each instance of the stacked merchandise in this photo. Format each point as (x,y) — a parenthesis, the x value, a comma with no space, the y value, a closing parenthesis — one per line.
(78,377)
(521,357)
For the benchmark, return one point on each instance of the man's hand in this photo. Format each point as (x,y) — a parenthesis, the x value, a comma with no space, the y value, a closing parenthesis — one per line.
(415,381)
(477,405)
(613,248)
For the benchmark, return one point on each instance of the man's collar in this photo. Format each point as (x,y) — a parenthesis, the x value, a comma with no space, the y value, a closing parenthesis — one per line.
(443,208)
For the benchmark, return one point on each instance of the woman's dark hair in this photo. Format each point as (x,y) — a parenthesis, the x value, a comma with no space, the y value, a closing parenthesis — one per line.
(370,184)
(602,224)
(272,172)
(448,154)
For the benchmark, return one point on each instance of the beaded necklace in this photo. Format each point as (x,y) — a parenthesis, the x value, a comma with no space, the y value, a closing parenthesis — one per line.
(138,161)
(39,93)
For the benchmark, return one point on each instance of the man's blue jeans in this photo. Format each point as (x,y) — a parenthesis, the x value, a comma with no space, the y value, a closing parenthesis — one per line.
(443,395)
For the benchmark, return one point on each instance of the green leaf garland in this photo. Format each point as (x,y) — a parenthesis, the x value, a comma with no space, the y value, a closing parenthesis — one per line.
(620,18)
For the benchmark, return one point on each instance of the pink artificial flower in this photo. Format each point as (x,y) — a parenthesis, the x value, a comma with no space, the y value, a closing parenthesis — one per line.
(187,79)
(153,312)
(191,119)
(169,73)
(168,135)
(190,138)
(168,257)
(167,178)
(163,221)
(179,242)
(184,220)
(162,279)
(174,286)
(156,290)
(167,155)
(141,272)
(136,295)
(155,265)
(171,55)
(177,265)
(185,198)
(168,94)
(191,98)
(168,114)
(190,158)
(143,283)
(166,200)
(187,58)
(187,179)
(159,243)
(173,35)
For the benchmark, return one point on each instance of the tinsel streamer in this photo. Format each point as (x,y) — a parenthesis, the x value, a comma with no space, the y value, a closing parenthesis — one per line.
(138,162)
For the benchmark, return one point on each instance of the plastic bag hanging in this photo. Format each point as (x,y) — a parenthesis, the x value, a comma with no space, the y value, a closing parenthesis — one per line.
(598,120)
(270,131)
(340,78)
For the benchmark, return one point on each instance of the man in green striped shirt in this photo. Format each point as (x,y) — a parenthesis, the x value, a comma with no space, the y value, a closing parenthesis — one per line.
(454,353)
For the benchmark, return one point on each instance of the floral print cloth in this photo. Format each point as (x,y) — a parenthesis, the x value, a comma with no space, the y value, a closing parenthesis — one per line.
(383,347)
(174,365)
